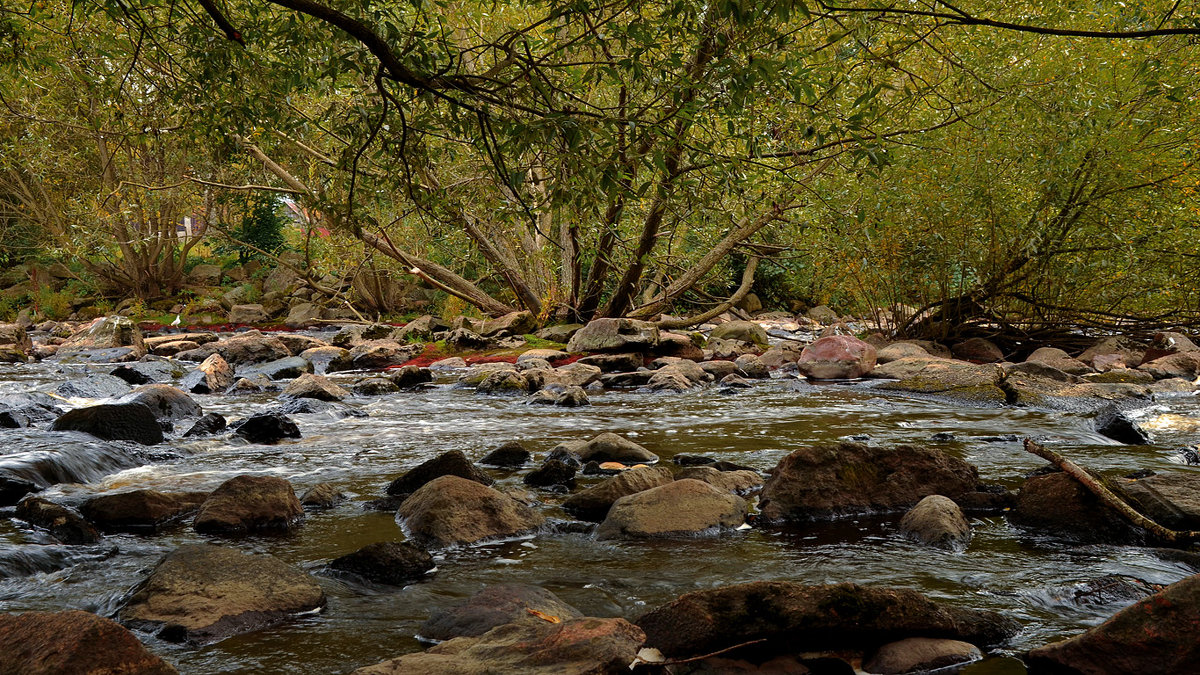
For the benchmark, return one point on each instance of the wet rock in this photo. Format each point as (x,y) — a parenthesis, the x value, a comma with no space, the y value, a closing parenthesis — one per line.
(407,377)
(322,496)
(374,386)
(12,489)
(245,504)
(811,618)
(421,328)
(1060,360)
(493,606)
(450,511)
(64,523)
(266,428)
(572,375)
(166,402)
(614,363)
(107,333)
(609,447)
(937,521)
(1184,365)
(321,357)
(387,562)
(1110,590)
(583,646)
(752,367)
(614,335)
(1167,343)
(635,379)
(60,643)
(900,350)
(311,406)
(682,507)
(509,455)
(373,355)
(561,333)
(678,376)
(280,369)
(956,380)
(174,347)
(1113,422)
(593,503)
(739,482)
(212,376)
(140,511)
(917,655)
(112,422)
(201,593)
(837,357)
(977,350)
(680,345)
(513,323)
(719,369)
(481,371)
(318,387)
(1057,504)
(684,459)
(200,338)
(14,339)
(96,385)
(829,481)
(572,397)
(509,382)
(552,472)
(210,424)
(452,463)
(1170,499)
(241,349)
(1151,636)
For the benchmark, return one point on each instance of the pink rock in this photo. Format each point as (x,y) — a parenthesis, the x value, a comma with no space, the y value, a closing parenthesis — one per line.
(837,357)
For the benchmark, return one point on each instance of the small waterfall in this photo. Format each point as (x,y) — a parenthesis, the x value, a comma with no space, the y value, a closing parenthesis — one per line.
(48,458)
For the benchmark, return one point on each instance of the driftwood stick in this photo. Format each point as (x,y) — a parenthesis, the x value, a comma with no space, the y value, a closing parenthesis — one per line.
(1109,498)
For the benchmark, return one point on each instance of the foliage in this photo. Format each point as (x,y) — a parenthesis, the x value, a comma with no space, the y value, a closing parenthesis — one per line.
(260,236)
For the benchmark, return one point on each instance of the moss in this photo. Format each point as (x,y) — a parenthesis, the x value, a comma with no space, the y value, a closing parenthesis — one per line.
(535,342)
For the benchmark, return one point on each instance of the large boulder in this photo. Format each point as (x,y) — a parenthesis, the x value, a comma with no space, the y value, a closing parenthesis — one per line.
(513,323)
(1060,360)
(594,502)
(900,350)
(141,511)
(1180,364)
(94,385)
(266,428)
(1057,504)
(678,375)
(1155,635)
(14,343)
(319,387)
(107,333)
(375,354)
(73,643)
(828,481)
(166,402)
(1113,352)
(583,646)
(977,350)
(684,507)
(572,375)
(247,314)
(245,504)
(837,357)
(937,521)
(493,606)
(213,376)
(811,618)
(742,331)
(241,349)
(113,422)
(450,510)
(386,562)
(609,447)
(614,335)
(452,463)
(957,380)
(1170,499)
(201,593)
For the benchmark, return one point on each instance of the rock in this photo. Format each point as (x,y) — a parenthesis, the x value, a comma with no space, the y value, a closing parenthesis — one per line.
(281,369)
(387,562)
(811,618)
(1166,343)
(205,275)
(721,349)
(64,523)
(196,338)
(514,323)
(752,366)
(174,347)
(374,386)
(148,372)
(540,356)
(1109,591)
(245,504)
(583,646)
(977,350)
(321,357)
(374,355)
(1180,364)
(508,382)
(679,376)
(609,447)
(569,397)
(742,331)
(479,372)
(166,402)
(917,655)
(96,385)
(614,335)
(407,377)
(739,482)
(493,606)
(281,280)
(12,489)
(732,383)
(1120,351)
(782,355)
(682,507)
(452,463)
(552,472)
(614,363)
(73,642)
(450,511)
(140,511)
(823,315)
(1060,360)
(1151,636)
(210,424)
(837,357)
(267,428)
(1112,422)
(719,369)
(1120,376)
(1169,499)
(212,376)
(937,521)
(465,339)
(112,422)
(322,496)
(14,338)
(680,345)
(571,375)
(509,455)
(829,481)
(319,387)
(303,315)
(1057,504)
(111,332)
(241,349)
(561,333)
(421,328)
(247,314)
(900,350)
(963,382)
(202,593)
(593,503)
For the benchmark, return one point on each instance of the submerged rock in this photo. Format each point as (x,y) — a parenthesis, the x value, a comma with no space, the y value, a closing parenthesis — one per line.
(96,385)
(493,606)
(386,562)
(509,455)
(210,424)
(64,523)
(552,472)
(1057,504)
(166,402)
(201,593)
(450,511)
(60,643)
(918,655)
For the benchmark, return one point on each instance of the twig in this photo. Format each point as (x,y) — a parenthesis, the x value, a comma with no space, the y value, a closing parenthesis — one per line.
(719,652)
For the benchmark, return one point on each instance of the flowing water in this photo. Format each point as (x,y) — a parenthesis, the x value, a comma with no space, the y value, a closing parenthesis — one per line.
(1003,569)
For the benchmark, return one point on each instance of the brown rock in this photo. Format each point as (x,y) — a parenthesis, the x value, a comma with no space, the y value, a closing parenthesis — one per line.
(917,655)
(977,350)
(493,606)
(241,349)
(1057,504)
(594,502)
(319,387)
(739,482)
(72,643)
(837,357)
(246,504)
(682,507)
(937,521)
(140,510)
(450,510)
